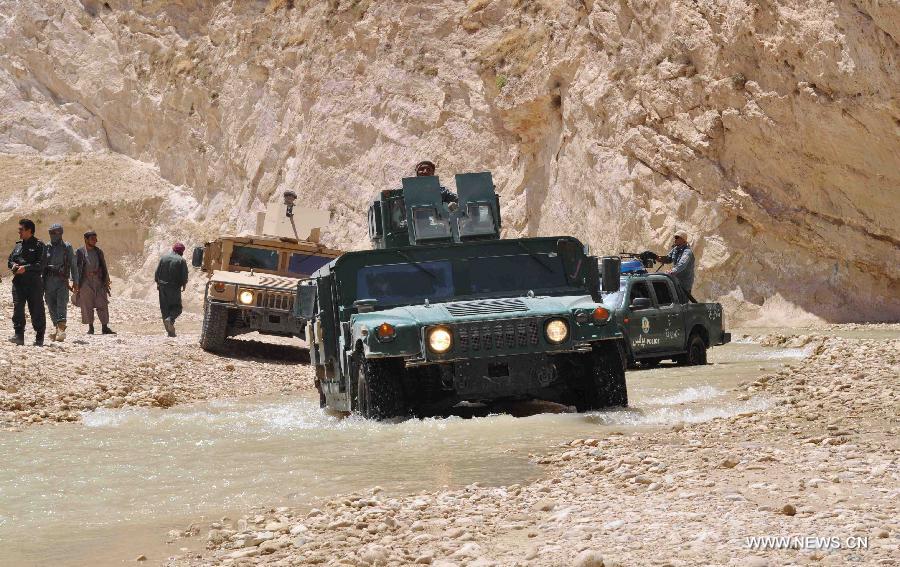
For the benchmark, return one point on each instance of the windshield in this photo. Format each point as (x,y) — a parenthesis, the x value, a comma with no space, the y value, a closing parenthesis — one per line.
(301,264)
(258,258)
(405,283)
(519,273)
(444,280)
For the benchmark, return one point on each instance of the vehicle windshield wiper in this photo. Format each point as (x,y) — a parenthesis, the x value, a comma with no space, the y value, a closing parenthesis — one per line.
(415,263)
(537,257)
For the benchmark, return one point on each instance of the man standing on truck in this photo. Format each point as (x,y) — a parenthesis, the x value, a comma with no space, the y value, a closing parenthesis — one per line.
(682,258)
(171,278)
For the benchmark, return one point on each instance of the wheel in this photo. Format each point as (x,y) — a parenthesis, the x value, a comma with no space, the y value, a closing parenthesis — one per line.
(696,352)
(215,327)
(649,362)
(379,393)
(600,381)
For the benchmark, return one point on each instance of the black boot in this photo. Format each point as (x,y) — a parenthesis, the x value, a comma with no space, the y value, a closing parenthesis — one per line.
(18,339)
(90,329)
(39,340)
(107,331)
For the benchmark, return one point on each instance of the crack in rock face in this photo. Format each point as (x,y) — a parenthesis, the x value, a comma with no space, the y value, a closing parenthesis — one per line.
(767,131)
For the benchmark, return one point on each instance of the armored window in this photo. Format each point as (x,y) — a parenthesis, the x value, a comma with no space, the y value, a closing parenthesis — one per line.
(256,258)
(515,274)
(639,289)
(428,225)
(663,293)
(478,221)
(406,283)
(301,264)
(398,215)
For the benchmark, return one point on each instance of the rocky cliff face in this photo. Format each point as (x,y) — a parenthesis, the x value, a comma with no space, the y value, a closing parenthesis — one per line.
(769,130)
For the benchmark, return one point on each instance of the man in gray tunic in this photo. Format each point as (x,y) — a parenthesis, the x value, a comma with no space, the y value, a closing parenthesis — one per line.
(171,278)
(93,284)
(682,258)
(59,266)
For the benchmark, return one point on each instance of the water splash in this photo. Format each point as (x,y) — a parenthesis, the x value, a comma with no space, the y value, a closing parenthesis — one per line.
(685,396)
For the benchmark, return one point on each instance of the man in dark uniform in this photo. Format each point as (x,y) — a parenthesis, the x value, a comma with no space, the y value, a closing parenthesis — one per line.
(171,278)
(426,169)
(59,267)
(27,265)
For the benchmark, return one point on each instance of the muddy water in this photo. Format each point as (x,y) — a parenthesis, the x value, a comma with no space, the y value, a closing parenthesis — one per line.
(106,491)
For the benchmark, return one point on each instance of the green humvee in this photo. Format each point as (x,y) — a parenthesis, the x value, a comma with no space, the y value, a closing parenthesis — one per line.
(442,310)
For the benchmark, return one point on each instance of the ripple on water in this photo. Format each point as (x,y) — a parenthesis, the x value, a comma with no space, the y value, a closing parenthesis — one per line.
(685,396)
(667,415)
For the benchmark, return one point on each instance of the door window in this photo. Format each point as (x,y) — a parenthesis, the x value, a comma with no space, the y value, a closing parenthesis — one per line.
(639,289)
(664,295)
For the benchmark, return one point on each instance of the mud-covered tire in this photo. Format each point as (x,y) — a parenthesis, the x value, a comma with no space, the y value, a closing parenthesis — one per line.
(696,352)
(215,327)
(379,388)
(600,383)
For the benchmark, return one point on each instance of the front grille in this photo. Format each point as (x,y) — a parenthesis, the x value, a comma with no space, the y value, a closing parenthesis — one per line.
(494,336)
(275,300)
(486,307)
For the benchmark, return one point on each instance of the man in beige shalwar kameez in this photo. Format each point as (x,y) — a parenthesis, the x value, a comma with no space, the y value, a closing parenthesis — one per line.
(93,288)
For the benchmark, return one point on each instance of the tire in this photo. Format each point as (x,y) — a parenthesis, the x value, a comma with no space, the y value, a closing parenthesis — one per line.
(379,393)
(601,380)
(215,327)
(696,352)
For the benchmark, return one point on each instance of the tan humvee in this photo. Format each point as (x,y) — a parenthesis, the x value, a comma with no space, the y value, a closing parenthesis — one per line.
(253,279)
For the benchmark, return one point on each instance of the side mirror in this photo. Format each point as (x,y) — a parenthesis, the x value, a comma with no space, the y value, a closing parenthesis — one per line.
(365,305)
(612,273)
(197,257)
(305,307)
(641,303)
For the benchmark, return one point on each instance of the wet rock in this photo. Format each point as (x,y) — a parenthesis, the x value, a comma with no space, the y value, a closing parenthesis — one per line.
(140,558)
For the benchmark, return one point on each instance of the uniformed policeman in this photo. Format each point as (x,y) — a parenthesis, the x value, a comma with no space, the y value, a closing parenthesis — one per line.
(27,265)
(171,278)
(59,267)
(682,259)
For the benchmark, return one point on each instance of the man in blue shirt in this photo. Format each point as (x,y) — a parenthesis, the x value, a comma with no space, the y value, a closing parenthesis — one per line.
(682,259)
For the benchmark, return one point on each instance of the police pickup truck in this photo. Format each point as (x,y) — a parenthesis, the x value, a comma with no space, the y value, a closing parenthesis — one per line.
(660,321)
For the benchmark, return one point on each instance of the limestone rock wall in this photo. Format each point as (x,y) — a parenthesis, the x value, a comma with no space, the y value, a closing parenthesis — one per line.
(769,130)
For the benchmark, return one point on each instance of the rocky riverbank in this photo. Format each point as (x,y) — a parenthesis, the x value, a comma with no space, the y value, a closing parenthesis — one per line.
(140,366)
(821,460)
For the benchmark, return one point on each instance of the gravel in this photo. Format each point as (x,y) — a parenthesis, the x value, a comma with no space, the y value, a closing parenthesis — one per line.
(683,495)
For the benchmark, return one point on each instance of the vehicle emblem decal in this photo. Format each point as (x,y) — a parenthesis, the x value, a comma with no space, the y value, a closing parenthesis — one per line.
(645,324)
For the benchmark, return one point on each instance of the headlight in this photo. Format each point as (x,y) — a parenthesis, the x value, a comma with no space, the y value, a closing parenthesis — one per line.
(556,331)
(246,297)
(440,339)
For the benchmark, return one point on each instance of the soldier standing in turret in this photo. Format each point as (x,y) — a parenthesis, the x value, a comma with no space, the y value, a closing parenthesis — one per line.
(59,266)
(27,265)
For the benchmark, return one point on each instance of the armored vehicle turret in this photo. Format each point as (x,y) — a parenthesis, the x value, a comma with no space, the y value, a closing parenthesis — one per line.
(253,278)
(420,214)
(442,310)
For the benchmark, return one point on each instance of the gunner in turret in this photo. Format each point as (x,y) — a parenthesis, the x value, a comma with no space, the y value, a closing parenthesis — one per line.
(426,169)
